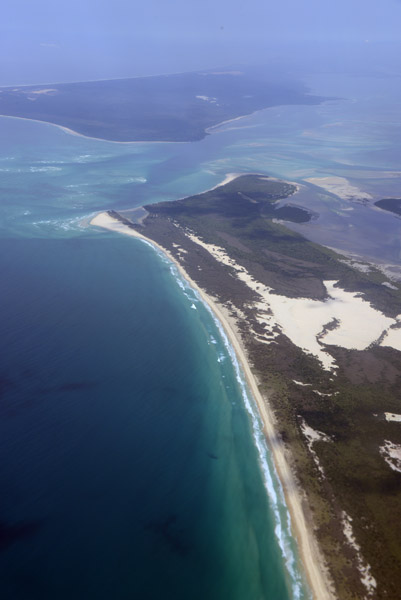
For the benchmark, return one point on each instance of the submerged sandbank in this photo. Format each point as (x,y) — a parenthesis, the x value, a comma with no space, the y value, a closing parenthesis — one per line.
(341,187)
(312,560)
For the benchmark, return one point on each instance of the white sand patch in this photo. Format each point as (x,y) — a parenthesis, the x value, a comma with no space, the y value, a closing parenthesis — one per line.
(179,249)
(321,393)
(393,337)
(390,285)
(360,266)
(207,99)
(229,177)
(309,385)
(266,318)
(304,321)
(363,567)
(360,323)
(393,272)
(392,455)
(341,187)
(105,221)
(392,417)
(312,436)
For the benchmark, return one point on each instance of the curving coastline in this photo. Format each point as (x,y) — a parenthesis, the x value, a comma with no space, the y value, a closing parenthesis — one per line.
(313,562)
(88,137)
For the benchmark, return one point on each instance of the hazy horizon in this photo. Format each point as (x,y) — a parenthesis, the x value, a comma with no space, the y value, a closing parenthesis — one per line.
(43,43)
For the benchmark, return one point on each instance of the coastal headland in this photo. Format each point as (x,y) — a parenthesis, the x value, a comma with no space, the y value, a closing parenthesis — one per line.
(320,344)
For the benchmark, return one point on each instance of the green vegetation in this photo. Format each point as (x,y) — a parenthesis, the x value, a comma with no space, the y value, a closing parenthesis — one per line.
(241,217)
(163,108)
(391,204)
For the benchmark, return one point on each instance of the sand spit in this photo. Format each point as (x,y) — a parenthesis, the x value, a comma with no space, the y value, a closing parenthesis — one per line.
(340,320)
(341,187)
(310,553)
(207,131)
(229,177)
(89,137)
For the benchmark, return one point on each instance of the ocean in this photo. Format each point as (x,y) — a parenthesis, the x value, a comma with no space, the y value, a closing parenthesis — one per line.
(132,459)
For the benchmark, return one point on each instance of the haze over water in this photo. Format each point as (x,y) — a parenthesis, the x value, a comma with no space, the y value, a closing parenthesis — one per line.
(131,457)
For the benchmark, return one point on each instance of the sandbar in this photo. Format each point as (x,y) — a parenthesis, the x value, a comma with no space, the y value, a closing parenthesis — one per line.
(341,187)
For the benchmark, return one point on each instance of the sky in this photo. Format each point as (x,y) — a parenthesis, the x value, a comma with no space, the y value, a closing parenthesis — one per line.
(60,40)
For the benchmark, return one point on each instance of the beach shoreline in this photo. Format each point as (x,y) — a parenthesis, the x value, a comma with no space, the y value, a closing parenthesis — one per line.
(89,137)
(312,560)
(70,131)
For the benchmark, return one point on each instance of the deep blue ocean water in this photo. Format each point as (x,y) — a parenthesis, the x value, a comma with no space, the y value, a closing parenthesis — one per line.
(131,459)
(128,468)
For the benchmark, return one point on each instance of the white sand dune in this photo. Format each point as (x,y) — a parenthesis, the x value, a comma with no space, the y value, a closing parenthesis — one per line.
(353,322)
(312,559)
(364,568)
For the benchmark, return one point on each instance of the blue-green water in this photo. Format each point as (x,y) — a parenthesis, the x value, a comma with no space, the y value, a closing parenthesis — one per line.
(132,464)
(127,459)
(129,455)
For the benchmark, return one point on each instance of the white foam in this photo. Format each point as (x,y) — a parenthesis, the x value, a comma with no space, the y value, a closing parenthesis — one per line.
(44,169)
(272,482)
(136,180)
(280,513)
(72,224)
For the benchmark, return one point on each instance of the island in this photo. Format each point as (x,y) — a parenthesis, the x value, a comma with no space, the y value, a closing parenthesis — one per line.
(391,204)
(319,340)
(171,108)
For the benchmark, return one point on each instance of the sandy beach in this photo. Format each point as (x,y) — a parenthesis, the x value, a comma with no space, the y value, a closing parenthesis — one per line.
(208,131)
(88,137)
(314,565)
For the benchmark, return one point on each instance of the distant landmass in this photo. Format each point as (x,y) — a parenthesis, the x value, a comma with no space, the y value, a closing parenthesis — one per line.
(391,204)
(171,108)
(321,333)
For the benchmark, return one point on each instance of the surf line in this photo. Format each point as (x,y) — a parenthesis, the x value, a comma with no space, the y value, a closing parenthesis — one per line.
(311,558)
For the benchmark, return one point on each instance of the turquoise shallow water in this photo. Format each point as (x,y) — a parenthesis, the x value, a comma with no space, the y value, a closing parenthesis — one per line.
(129,467)
(132,463)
